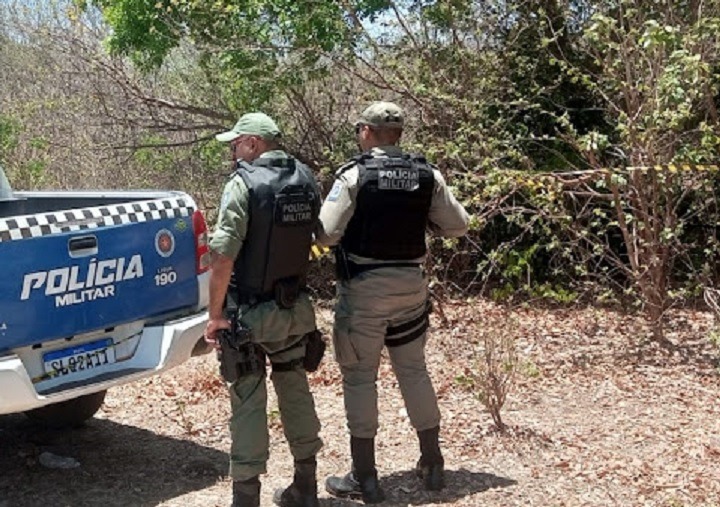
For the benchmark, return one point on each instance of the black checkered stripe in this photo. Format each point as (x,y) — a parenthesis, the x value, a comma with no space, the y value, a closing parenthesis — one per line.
(44,224)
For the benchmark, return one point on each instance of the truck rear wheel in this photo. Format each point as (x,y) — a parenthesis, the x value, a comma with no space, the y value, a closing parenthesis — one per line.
(68,413)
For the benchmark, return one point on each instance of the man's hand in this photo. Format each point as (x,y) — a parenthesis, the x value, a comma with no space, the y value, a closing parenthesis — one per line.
(219,278)
(211,331)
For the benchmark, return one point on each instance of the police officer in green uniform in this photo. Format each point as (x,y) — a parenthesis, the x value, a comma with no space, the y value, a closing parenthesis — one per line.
(259,310)
(376,214)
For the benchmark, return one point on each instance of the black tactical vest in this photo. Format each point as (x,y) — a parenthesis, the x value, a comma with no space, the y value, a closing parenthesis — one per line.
(284,205)
(391,212)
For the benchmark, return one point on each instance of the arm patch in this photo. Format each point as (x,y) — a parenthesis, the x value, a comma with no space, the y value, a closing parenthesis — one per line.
(335,191)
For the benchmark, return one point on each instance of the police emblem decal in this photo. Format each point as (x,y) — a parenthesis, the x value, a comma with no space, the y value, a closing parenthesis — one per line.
(164,243)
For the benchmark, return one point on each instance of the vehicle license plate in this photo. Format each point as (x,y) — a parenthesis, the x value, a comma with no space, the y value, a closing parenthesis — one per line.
(80,357)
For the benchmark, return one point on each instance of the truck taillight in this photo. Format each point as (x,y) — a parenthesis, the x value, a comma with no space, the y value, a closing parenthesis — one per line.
(202,250)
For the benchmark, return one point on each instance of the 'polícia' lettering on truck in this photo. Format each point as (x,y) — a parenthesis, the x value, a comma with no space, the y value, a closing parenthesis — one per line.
(70,286)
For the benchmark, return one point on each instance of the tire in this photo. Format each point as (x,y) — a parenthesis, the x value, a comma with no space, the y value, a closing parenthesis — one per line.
(70,413)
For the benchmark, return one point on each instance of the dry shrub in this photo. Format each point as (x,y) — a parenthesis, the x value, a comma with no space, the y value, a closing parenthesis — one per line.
(497,363)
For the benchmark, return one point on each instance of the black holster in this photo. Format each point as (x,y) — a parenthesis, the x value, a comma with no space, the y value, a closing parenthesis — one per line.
(314,351)
(238,355)
(342,265)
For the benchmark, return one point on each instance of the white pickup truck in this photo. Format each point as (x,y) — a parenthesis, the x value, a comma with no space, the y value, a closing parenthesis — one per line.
(97,289)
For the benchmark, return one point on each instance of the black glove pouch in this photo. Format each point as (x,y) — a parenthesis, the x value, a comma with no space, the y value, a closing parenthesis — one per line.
(314,351)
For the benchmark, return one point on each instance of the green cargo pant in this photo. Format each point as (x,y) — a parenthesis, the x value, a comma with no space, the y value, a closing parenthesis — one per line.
(367,305)
(248,423)
(276,330)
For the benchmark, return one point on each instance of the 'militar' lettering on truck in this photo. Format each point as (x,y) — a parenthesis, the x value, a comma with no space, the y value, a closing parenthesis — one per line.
(70,287)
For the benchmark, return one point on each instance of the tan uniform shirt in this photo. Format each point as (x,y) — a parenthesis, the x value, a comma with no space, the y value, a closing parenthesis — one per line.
(446,217)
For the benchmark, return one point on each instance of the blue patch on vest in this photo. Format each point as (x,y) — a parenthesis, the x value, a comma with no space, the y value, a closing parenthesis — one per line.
(335,191)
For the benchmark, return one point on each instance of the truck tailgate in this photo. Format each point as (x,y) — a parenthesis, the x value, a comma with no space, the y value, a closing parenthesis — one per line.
(70,272)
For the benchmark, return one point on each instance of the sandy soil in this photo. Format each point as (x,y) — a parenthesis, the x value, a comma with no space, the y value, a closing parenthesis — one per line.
(598,416)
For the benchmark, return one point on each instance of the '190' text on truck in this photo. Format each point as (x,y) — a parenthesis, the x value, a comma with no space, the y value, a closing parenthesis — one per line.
(97,289)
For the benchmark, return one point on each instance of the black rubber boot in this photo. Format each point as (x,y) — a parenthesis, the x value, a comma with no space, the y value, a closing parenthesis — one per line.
(431,466)
(303,490)
(362,481)
(246,493)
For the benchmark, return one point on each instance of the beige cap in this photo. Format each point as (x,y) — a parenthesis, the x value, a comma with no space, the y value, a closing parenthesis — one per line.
(382,114)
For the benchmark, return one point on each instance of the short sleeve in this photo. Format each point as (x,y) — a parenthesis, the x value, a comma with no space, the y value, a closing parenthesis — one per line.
(231,228)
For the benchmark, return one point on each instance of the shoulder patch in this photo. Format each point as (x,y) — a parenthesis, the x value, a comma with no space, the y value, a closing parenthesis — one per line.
(335,191)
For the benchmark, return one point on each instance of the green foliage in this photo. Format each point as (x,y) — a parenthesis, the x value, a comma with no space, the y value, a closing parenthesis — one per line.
(655,77)
(465,381)
(514,101)
(714,337)
(529,369)
(251,49)
(9,130)
(553,292)
(154,160)
(31,174)
(29,171)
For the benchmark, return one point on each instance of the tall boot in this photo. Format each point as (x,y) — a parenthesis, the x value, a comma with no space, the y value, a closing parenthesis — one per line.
(362,481)
(303,490)
(246,493)
(431,466)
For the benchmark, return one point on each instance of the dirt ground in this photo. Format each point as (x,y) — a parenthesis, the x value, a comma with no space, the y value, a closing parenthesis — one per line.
(598,416)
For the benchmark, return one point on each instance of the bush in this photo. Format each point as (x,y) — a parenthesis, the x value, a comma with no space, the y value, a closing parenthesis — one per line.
(497,364)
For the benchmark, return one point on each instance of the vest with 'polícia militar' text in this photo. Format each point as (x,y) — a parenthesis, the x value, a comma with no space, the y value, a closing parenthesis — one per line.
(284,204)
(391,214)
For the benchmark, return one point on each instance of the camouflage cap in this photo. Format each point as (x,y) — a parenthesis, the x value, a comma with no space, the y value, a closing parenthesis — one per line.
(254,124)
(382,114)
